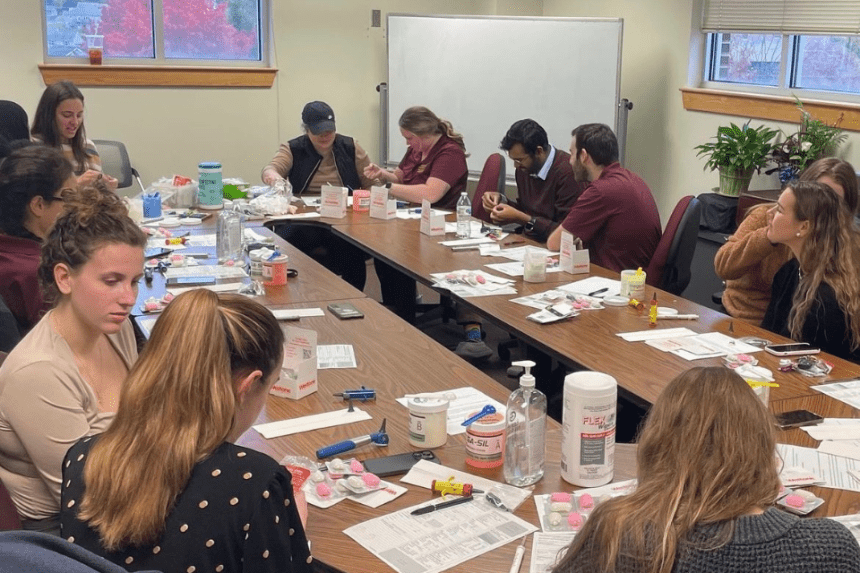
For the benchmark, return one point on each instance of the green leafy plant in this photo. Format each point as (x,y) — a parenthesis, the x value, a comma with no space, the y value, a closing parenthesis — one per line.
(738,149)
(813,140)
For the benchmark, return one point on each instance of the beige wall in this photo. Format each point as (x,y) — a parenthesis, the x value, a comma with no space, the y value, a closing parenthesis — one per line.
(326,49)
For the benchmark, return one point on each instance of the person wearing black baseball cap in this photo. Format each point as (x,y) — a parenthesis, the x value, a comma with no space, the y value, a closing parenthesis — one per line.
(322,156)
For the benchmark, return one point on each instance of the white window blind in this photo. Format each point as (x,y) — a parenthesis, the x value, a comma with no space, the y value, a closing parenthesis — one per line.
(832,17)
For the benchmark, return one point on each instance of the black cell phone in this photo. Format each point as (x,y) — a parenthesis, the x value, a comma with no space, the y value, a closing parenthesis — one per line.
(190,281)
(797,418)
(794,349)
(344,310)
(398,464)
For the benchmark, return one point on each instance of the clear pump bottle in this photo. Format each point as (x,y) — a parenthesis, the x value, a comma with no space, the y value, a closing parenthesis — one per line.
(228,235)
(464,214)
(525,430)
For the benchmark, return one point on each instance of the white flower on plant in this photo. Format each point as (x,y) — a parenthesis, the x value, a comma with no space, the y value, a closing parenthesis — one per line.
(805,146)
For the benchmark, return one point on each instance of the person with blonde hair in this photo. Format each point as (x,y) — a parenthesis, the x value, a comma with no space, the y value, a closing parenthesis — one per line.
(708,476)
(816,294)
(748,261)
(62,381)
(164,487)
(433,168)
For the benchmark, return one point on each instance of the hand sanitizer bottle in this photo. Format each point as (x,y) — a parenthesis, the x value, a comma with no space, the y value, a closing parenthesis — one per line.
(525,429)
(228,236)
(464,213)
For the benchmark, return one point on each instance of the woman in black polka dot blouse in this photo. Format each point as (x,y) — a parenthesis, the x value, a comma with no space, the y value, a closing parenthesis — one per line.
(164,487)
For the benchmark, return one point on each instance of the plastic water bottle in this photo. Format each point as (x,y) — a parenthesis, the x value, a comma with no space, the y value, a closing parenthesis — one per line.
(525,431)
(228,236)
(464,213)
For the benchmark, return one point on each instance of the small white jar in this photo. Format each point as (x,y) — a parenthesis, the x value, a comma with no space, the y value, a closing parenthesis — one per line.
(428,422)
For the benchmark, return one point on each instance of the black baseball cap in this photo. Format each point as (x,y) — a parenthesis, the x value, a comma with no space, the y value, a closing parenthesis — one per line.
(318,116)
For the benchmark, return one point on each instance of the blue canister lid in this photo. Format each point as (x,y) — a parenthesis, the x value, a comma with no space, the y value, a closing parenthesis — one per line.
(209,165)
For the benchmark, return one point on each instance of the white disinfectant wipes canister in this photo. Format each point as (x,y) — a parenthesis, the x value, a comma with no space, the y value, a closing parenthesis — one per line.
(588,428)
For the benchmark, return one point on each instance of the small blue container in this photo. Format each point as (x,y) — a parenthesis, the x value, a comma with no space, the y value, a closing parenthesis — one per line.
(151,205)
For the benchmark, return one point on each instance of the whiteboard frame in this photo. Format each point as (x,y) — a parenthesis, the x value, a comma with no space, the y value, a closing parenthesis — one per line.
(386,119)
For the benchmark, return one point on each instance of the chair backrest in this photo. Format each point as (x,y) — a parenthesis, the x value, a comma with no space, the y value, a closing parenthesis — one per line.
(10,333)
(669,268)
(115,161)
(9,519)
(492,179)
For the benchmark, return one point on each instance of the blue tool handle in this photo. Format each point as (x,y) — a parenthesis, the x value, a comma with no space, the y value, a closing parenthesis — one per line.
(335,449)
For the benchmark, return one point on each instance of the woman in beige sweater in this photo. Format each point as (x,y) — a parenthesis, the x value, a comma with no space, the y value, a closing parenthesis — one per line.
(748,261)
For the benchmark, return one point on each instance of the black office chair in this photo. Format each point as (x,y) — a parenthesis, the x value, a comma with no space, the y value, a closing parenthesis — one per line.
(116,163)
(669,268)
(10,333)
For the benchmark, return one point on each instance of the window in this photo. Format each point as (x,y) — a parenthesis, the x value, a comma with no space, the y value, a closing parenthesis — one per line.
(815,63)
(184,32)
(783,44)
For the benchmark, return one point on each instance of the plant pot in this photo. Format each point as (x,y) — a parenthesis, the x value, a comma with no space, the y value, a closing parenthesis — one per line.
(733,183)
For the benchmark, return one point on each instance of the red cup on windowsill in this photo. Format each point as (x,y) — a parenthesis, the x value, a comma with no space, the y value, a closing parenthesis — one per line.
(95,47)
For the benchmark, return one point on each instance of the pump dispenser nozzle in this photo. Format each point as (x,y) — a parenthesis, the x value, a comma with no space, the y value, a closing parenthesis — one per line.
(527,379)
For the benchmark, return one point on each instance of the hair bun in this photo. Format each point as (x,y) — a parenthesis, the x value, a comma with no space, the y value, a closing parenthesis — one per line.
(94,201)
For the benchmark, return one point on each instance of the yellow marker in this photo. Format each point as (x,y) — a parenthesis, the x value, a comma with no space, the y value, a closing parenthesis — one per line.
(652,314)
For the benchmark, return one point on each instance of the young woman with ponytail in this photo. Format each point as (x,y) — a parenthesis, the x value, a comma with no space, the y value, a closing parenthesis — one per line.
(62,381)
(164,487)
(434,167)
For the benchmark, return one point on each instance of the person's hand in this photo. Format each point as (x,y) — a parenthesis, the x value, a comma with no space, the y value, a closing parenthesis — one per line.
(270,177)
(88,177)
(504,213)
(490,199)
(374,171)
(111,182)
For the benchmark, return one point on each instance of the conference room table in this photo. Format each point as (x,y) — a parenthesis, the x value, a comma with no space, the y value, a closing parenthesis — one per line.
(589,341)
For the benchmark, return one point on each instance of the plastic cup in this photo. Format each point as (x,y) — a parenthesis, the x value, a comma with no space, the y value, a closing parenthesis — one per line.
(95,47)
(534,265)
(633,285)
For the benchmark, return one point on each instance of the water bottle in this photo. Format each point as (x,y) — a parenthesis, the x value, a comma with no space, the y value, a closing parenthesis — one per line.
(525,430)
(228,236)
(464,213)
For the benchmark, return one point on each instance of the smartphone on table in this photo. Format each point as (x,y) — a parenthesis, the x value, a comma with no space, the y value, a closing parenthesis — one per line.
(398,464)
(797,418)
(793,349)
(345,310)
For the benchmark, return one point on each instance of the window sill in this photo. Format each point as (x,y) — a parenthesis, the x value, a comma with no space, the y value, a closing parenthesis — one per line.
(778,108)
(172,76)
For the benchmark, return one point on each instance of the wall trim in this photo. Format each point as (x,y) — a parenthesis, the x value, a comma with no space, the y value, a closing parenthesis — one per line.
(172,76)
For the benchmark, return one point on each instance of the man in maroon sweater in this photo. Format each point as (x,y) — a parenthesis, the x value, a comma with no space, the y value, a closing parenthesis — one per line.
(546,187)
(546,190)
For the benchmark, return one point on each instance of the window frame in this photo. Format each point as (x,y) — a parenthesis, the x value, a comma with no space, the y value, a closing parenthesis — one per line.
(265,37)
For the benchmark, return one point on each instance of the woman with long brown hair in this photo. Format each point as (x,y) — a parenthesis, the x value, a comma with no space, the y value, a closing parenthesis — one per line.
(164,487)
(816,295)
(748,261)
(62,381)
(707,480)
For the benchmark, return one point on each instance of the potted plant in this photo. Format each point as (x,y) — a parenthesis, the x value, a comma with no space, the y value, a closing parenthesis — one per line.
(813,140)
(737,152)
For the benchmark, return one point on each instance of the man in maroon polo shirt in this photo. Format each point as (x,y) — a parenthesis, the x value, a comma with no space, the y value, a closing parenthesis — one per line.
(616,217)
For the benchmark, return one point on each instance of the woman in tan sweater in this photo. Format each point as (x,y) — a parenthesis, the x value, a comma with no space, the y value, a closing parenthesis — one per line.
(748,261)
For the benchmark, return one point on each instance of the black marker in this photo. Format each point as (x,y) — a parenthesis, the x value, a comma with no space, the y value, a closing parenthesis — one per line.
(443,505)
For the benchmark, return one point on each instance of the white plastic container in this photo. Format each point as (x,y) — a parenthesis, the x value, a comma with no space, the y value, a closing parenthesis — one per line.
(525,431)
(428,422)
(588,428)
(210,189)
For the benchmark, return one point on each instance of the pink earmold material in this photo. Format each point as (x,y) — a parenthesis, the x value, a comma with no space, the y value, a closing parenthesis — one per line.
(323,490)
(356,467)
(370,480)
(575,521)
(586,501)
(560,496)
(794,500)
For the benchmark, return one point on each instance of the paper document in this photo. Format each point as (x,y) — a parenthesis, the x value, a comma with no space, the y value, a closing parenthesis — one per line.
(335,356)
(424,472)
(308,423)
(847,391)
(835,429)
(296,313)
(466,283)
(310,215)
(832,469)
(655,334)
(548,549)
(439,540)
(217,271)
(592,284)
(519,253)
(515,269)
(228,287)
(852,522)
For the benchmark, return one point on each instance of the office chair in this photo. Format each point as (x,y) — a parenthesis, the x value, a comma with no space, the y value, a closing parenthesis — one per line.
(492,179)
(10,332)
(116,163)
(669,268)
(9,519)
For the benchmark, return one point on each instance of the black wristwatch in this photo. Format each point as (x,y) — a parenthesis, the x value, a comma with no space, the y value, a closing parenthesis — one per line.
(530,226)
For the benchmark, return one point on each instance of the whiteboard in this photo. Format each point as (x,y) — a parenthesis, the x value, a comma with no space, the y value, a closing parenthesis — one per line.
(484,73)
